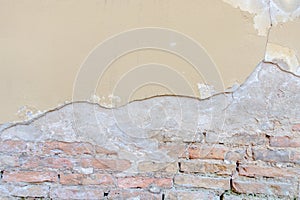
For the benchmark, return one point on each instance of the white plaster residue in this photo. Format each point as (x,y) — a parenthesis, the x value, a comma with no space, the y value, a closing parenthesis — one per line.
(114,100)
(265,11)
(28,112)
(205,90)
(283,56)
(260,10)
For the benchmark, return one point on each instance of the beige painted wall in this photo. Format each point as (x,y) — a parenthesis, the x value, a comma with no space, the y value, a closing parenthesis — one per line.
(43,44)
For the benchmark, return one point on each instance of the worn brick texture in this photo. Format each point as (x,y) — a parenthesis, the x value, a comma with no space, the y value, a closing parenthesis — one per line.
(243,144)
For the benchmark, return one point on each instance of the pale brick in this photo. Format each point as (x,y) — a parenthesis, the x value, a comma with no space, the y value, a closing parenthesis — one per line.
(252,186)
(144,182)
(214,167)
(191,181)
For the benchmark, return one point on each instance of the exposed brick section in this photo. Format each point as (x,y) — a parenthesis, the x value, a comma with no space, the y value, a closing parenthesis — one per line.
(262,187)
(144,182)
(254,154)
(207,152)
(284,141)
(190,181)
(30,177)
(198,166)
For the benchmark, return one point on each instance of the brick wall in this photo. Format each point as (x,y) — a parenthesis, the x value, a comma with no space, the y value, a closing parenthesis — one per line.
(83,151)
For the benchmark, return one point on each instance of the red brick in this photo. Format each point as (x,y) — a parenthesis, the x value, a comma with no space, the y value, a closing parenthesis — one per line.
(271,155)
(106,164)
(81,179)
(284,141)
(42,162)
(75,148)
(76,192)
(144,182)
(207,152)
(203,167)
(256,171)
(296,127)
(12,146)
(193,181)
(264,187)
(30,177)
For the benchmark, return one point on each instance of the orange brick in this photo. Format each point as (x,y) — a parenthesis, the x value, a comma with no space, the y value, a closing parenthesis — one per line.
(30,177)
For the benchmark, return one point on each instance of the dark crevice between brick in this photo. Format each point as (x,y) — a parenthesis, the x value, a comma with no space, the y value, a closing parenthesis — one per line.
(237,166)
(222,196)
(163,197)
(58,176)
(105,194)
(1,174)
(179,167)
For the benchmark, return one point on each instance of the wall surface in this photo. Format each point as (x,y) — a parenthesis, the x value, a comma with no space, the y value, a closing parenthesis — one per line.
(168,99)
(236,145)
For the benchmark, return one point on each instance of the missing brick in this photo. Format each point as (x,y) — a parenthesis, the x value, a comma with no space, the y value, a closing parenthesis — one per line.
(105,194)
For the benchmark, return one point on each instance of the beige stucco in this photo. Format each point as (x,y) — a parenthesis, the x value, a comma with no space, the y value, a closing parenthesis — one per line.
(44,43)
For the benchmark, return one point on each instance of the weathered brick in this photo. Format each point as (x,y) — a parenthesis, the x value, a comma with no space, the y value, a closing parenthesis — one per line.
(295,157)
(202,182)
(174,150)
(256,171)
(76,192)
(144,182)
(27,191)
(76,148)
(148,166)
(284,141)
(271,155)
(192,195)
(214,167)
(236,155)
(81,179)
(106,164)
(101,150)
(207,152)
(8,161)
(252,186)
(244,139)
(296,127)
(12,146)
(29,176)
(132,194)
(47,162)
